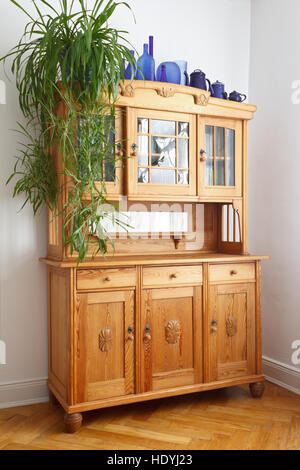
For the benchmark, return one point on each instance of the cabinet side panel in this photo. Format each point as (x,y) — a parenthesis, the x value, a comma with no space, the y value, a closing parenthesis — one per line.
(258,319)
(245,188)
(59,330)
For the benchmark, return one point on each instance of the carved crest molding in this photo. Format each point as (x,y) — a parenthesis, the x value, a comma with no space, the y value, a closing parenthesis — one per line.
(201,99)
(166,92)
(126,90)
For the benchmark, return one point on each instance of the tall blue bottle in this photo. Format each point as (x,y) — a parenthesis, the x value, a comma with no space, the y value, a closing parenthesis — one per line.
(151,46)
(145,66)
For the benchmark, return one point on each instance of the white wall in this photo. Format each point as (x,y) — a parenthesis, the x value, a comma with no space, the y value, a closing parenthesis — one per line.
(274,169)
(213,36)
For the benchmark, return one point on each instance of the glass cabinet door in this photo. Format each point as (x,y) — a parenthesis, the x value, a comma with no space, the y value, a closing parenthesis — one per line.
(163,153)
(107,157)
(220,156)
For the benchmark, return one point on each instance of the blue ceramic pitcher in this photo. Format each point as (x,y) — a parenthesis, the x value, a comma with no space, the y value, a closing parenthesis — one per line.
(198,80)
(218,90)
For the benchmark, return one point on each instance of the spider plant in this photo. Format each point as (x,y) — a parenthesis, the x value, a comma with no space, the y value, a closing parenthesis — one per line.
(69,54)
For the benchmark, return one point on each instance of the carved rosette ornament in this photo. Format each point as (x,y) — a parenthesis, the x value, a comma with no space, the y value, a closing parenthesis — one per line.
(201,99)
(105,340)
(166,92)
(231,326)
(173,331)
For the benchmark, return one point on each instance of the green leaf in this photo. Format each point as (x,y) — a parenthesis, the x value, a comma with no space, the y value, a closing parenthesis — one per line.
(69,46)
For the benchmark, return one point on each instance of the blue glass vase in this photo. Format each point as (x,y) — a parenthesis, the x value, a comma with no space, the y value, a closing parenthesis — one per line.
(128,74)
(145,66)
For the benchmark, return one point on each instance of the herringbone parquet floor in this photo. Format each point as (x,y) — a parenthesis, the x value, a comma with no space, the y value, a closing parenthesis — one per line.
(221,419)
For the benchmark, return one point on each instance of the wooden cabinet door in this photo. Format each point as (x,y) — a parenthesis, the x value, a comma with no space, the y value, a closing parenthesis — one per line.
(104,351)
(171,337)
(163,149)
(231,331)
(220,157)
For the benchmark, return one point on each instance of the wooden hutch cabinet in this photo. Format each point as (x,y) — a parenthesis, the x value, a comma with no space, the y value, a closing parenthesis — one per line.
(177,308)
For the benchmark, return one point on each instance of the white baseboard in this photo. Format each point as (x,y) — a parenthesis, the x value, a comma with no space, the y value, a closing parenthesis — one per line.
(23,392)
(28,392)
(281,374)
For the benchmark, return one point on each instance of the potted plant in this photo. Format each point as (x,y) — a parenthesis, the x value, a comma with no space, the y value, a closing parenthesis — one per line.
(69,55)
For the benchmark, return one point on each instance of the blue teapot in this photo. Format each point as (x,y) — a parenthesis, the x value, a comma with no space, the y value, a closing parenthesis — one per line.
(198,80)
(218,90)
(236,96)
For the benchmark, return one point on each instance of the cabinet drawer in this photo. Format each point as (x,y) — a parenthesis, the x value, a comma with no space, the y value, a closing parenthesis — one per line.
(231,272)
(88,279)
(171,275)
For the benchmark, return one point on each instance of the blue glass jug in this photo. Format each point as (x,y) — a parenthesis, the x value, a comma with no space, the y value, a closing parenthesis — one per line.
(182,64)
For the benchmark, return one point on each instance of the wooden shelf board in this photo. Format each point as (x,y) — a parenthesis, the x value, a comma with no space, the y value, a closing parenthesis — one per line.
(123,260)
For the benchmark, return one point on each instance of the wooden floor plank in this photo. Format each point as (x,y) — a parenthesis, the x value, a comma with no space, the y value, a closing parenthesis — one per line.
(278,437)
(221,419)
(294,433)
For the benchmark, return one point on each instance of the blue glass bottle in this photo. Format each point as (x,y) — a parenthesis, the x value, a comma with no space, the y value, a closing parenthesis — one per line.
(128,72)
(145,66)
(163,76)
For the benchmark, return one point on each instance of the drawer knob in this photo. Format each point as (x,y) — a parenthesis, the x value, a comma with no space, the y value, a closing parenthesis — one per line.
(107,279)
(173,276)
(233,272)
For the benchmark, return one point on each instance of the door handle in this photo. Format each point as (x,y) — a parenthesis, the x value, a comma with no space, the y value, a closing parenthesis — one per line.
(214,327)
(134,149)
(147,335)
(130,336)
(202,155)
(120,151)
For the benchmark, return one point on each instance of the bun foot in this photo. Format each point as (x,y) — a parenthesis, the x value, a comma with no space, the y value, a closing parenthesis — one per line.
(72,422)
(53,400)
(257,389)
